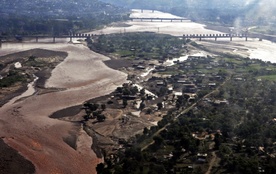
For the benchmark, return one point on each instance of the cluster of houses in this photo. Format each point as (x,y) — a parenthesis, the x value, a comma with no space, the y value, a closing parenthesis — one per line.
(187,82)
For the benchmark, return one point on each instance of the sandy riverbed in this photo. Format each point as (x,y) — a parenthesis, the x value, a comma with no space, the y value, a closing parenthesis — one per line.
(253,48)
(26,127)
(166,27)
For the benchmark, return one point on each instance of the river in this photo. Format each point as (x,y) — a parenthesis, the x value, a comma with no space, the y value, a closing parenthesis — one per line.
(253,48)
(25,126)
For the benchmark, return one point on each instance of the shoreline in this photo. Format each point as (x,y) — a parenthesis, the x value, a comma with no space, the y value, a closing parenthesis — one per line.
(71,95)
(42,74)
(76,87)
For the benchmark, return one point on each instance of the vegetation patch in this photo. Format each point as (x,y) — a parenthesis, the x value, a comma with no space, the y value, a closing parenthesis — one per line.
(215,115)
(268,77)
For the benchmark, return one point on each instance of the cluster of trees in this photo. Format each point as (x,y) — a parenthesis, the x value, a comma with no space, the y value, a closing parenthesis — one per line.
(56,17)
(254,127)
(141,45)
(12,78)
(94,110)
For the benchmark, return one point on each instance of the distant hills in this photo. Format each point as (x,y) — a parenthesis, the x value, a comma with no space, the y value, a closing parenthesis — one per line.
(63,16)
(56,16)
(166,4)
(56,8)
(230,12)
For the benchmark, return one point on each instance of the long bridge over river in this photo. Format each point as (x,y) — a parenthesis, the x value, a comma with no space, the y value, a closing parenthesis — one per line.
(54,37)
(157,19)
(215,36)
(85,36)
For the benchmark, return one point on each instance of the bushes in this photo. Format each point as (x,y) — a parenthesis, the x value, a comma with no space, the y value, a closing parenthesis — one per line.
(11,79)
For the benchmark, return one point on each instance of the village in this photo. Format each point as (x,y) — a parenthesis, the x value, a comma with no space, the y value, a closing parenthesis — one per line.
(176,108)
(159,92)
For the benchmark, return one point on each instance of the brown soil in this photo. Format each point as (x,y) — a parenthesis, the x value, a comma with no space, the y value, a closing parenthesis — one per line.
(11,162)
(118,63)
(7,94)
(59,145)
(67,112)
(34,52)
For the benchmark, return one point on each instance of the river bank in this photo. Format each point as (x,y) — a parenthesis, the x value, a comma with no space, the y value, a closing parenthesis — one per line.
(253,48)
(24,124)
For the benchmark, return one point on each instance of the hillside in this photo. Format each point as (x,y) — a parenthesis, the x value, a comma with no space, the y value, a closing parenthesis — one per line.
(41,16)
(231,12)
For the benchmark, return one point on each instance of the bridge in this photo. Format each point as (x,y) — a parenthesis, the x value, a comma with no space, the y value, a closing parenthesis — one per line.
(215,36)
(158,19)
(37,37)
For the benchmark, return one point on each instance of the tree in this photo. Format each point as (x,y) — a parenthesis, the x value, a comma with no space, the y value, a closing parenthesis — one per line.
(146,131)
(142,106)
(124,103)
(134,90)
(91,106)
(100,168)
(218,140)
(103,106)
(160,105)
(143,91)
(101,118)
(149,111)
(158,140)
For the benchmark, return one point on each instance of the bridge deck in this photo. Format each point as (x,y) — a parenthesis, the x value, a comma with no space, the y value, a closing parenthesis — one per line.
(159,19)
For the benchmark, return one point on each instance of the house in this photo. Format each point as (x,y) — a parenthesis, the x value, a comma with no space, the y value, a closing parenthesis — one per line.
(220,102)
(191,99)
(212,85)
(189,88)
(141,67)
(160,83)
(202,157)
(178,94)
(184,81)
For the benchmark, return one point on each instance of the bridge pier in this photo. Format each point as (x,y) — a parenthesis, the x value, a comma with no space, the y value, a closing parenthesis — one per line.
(36,39)
(54,39)
(216,38)
(246,38)
(231,38)
(71,39)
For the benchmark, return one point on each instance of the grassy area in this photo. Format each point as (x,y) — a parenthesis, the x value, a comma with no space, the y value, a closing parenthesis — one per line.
(143,45)
(11,79)
(124,53)
(268,77)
